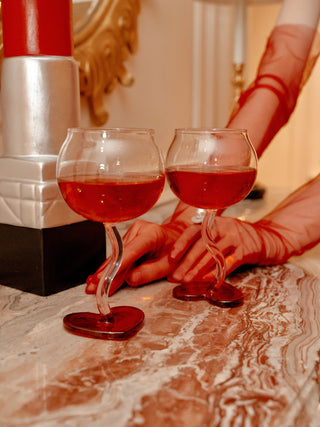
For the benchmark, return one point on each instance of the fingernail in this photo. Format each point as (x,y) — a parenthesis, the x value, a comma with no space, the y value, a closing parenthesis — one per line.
(134,278)
(177,276)
(172,255)
(188,277)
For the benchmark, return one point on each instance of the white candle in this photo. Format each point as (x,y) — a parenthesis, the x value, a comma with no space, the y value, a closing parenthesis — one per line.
(239,45)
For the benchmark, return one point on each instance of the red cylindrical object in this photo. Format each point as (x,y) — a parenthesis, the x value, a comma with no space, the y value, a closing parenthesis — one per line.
(37,27)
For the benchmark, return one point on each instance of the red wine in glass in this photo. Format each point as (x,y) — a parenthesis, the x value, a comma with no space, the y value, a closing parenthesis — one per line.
(111,199)
(211,170)
(109,176)
(211,187)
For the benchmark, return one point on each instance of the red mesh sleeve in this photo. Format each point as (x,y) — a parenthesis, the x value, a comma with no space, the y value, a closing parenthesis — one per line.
(267,104)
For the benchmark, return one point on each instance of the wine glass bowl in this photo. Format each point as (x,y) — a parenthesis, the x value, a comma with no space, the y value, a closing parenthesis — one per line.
(109,176)
(211,169)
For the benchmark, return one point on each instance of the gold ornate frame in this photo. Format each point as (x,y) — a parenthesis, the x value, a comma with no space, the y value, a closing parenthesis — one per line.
(101,47)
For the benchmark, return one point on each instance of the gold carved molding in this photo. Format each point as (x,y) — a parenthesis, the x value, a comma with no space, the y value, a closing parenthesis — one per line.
(101,47)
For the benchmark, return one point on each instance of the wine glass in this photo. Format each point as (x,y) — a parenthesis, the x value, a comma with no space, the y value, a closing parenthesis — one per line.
(109,176)
(211,169)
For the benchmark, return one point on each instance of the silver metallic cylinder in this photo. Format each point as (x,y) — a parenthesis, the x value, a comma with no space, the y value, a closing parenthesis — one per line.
(40,99)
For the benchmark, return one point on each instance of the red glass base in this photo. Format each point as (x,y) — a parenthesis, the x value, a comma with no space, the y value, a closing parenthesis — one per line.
(225,296)
(122,323)
(191,291)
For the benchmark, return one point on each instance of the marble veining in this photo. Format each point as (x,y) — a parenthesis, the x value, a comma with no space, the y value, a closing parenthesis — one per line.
(192,364)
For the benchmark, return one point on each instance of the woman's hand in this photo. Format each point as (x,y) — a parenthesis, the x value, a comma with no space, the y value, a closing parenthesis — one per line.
(145,258)
(240,242)
(146,251)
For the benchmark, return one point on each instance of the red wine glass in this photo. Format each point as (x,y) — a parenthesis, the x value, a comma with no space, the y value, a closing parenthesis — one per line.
(211,169)
(109,176)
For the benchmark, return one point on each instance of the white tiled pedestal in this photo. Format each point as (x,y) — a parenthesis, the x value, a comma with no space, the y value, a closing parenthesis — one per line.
(45,247)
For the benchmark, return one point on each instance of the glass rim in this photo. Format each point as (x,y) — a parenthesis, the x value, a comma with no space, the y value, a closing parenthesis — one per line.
(210,130)
(112,130)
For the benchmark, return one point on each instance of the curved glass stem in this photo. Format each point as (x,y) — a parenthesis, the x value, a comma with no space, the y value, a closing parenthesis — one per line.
(110,271)
(209,239)
(218,292)
(115,323)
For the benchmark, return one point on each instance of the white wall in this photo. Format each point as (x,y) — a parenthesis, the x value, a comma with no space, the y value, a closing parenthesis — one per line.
(160,97)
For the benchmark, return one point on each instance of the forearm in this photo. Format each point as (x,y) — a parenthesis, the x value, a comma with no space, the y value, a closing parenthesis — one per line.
(285,66)
(294,223)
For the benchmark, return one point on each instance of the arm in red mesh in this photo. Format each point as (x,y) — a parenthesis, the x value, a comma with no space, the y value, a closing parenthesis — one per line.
(146,251)
(290,229)
(269,101)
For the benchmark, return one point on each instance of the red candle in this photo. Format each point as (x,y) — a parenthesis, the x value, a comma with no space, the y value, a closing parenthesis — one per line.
(37,27)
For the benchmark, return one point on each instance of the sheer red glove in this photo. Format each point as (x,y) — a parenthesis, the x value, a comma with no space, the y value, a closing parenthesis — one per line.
(146,254)
(285,66)
(263,109)
(290,229)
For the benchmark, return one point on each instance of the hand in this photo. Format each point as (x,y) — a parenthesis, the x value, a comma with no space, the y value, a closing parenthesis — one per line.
(240,242)
(145,257)
(146,251)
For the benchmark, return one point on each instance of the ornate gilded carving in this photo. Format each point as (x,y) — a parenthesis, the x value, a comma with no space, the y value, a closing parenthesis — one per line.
(101,48)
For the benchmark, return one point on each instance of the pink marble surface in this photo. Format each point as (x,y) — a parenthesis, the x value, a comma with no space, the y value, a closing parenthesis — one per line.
(192,364)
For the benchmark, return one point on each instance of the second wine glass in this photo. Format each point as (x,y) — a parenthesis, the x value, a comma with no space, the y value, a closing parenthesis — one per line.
(109,176)
(211,169)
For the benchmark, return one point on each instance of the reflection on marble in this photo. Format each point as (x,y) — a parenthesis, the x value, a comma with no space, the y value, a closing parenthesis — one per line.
(192,364)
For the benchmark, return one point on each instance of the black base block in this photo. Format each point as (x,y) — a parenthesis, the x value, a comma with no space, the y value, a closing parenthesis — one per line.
(50,260)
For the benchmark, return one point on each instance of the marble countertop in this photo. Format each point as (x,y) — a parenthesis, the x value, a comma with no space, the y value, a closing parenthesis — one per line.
(192,364)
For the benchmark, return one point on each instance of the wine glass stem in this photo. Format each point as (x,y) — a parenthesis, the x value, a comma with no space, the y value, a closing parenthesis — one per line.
(208,237)
(111,269)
